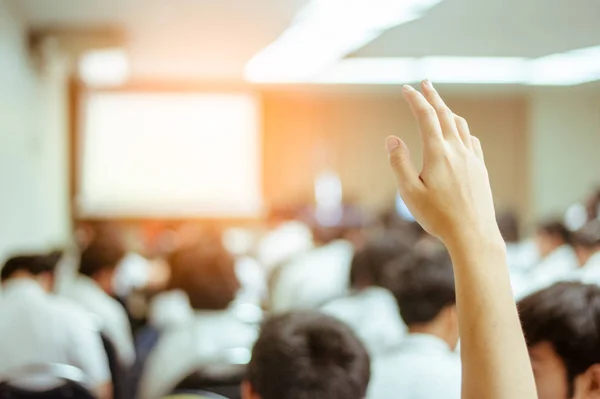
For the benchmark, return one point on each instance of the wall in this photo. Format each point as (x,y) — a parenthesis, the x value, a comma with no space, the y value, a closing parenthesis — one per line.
(565,147)
(19,138)
(300,126)
(29,164)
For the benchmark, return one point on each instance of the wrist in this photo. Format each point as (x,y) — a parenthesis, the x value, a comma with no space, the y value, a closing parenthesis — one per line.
(488,240)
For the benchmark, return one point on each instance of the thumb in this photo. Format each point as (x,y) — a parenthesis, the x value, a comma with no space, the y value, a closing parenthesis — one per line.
(401,163)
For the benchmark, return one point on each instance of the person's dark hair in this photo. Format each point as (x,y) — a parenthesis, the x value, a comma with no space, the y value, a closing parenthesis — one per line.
(508,222)
(104,252)
(593,205)
(423,285)
(34,264)
(555,229)
(368,264)
(566,315)
(308,355)
(206,273)
(588,236)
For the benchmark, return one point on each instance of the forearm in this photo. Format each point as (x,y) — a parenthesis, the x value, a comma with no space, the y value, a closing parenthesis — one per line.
(493,350)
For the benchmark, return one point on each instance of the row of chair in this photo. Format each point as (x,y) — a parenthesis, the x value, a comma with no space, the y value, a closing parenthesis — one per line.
(68,382)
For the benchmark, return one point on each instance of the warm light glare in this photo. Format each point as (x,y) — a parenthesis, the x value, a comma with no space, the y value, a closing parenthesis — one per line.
(324,32)
(170,155)
(104,68)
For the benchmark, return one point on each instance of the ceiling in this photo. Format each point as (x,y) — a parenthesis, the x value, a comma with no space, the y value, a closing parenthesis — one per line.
(213,39)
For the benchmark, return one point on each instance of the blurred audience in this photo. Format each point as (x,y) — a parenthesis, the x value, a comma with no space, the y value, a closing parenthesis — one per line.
(557,259)
(200,326)
(307,355)
(424,365)
(40,328)
(370,309)
(316,277)
(561,325)
(93,289)
(521,254)
(586,242)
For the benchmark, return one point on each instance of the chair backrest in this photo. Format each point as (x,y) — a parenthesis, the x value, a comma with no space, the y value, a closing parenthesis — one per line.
(194,395)
(68,383)
(220,379)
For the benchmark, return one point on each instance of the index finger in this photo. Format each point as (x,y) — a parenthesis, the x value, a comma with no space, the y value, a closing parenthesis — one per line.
(427,118)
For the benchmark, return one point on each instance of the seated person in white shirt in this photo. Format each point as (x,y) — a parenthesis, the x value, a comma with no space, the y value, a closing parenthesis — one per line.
(215,333)
(307,355)
(38,328)
(424,365)
(521,255)
(93,289)
(369,309)
(557,261)
(318,276)
(561,325)
(586,242)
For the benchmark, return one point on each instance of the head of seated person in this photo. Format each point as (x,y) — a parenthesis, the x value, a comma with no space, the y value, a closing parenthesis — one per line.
(206,273)
(551,236)
(586,241)
(368,263)
(508,222)
(423,285)
(561,326)
(99,260)
(307,355)
(593,205)
(34,267)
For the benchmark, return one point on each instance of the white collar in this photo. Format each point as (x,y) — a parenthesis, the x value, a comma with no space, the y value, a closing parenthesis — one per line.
(20,286)
(593,261)
(88,283)
(425,343)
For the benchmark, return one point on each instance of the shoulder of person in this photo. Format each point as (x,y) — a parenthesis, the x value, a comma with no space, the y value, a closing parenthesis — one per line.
(74,313)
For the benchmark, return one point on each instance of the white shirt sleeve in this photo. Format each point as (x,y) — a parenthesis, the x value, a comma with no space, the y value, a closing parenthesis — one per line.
(118,330)
(86,351)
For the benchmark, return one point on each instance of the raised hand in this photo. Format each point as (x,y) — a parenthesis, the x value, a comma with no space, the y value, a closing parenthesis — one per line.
(451,196)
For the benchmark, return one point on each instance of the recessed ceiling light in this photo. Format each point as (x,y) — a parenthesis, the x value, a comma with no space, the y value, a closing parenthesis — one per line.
(106,67)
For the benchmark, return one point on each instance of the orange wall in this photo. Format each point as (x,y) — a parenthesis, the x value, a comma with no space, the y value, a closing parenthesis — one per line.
(307,130)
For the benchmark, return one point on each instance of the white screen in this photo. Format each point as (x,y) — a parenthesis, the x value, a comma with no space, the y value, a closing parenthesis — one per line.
(170,155)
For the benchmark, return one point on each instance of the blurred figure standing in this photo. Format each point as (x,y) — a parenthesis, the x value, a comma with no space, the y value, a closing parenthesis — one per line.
(38,328)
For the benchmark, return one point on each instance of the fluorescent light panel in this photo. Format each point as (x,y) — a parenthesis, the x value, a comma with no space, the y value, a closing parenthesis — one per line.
(324,32)
(570,68)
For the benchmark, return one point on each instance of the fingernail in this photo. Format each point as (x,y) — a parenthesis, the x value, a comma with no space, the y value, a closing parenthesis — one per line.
(407,88)
(391,143)
(428,83)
